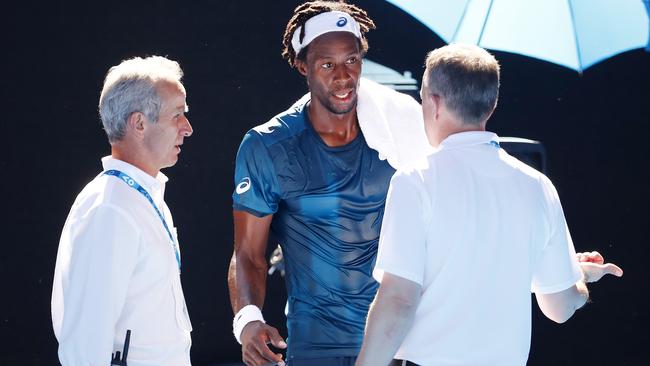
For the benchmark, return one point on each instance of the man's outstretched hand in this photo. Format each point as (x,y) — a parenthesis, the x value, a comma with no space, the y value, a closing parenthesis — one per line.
(594,267)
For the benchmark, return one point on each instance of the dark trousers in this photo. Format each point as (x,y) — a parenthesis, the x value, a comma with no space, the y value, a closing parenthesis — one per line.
(329,361)
(338,361)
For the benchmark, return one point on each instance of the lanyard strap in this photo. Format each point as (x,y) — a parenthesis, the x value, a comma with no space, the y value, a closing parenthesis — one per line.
(133,184)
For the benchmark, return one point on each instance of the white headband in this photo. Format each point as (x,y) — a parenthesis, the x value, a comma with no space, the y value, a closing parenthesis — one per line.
(331,21)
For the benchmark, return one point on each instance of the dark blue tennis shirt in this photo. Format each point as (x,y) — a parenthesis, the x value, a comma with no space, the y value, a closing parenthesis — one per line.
(328,204)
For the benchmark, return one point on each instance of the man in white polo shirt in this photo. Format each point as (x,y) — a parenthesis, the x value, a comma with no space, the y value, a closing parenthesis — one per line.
(118,263)
(467,236)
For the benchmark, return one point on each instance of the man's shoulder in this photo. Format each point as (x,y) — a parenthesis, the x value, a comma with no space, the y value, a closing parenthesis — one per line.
(283,126)
(523,169)
(103,194)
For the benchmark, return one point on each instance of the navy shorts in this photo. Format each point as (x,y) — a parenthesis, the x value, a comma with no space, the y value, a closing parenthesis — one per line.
(329,361)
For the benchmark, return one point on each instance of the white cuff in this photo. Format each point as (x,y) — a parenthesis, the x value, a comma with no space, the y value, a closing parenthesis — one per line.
(245,315)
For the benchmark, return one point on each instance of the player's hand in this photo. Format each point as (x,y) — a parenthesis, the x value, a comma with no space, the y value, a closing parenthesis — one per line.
(255,338)
(594,267)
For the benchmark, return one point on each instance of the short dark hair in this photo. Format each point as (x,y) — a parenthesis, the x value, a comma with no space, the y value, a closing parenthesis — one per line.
(306,11)
(467,77)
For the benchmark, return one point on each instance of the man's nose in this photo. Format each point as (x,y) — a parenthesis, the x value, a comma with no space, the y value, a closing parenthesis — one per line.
(341,73)
(186,129)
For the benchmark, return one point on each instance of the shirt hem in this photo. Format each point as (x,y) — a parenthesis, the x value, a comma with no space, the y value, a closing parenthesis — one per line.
(557,287)
(239,207)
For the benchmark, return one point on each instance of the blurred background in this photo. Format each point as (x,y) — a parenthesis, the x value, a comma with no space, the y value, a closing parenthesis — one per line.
(594,126)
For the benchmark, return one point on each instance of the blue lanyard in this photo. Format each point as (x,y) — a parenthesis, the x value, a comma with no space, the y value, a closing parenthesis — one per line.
(133,184)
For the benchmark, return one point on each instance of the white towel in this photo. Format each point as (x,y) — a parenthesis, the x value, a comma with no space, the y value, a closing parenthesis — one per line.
(391,123)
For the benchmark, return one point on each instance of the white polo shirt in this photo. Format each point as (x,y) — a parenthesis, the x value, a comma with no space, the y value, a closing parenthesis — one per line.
(479,230)
(116,270)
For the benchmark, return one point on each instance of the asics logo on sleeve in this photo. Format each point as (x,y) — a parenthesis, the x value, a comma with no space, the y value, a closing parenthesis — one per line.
(243,186)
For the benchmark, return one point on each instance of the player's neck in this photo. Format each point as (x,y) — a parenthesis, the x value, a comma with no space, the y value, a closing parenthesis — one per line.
(334,129)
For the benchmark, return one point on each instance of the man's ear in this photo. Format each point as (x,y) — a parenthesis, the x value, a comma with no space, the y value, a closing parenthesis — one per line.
(136,122)
(436,103)
(301,66)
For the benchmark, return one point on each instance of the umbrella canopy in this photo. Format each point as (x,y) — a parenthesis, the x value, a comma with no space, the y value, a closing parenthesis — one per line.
(572,33)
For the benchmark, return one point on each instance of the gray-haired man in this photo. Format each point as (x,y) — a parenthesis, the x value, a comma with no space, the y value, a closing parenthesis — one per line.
(118,262)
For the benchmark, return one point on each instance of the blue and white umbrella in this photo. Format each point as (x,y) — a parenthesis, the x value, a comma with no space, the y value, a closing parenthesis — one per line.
(573,33)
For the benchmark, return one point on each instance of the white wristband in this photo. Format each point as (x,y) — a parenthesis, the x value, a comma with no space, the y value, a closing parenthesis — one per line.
(245,315)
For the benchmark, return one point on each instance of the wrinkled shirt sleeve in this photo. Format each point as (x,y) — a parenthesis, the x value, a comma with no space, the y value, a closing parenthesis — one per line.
(256,185)
(558,267)
(97,256)
(402,242)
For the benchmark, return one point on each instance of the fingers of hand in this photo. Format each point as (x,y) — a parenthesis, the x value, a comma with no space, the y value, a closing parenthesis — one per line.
(594,271)
(276,338)
(613,269)
(596,257)
(255,351)
(593,257)
(266,355)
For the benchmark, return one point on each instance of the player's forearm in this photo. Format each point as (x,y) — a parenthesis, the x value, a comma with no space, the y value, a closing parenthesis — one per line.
(389,320)
(246,282)
(247,273)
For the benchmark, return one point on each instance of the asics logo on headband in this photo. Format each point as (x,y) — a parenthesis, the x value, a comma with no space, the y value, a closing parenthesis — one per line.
(243,186)
(342,22)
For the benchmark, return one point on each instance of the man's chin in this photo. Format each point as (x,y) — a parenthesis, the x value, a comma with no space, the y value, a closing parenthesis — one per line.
(343,109)
(170,163)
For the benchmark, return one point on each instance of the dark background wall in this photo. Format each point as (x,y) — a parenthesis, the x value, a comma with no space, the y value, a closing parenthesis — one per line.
(55,56)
